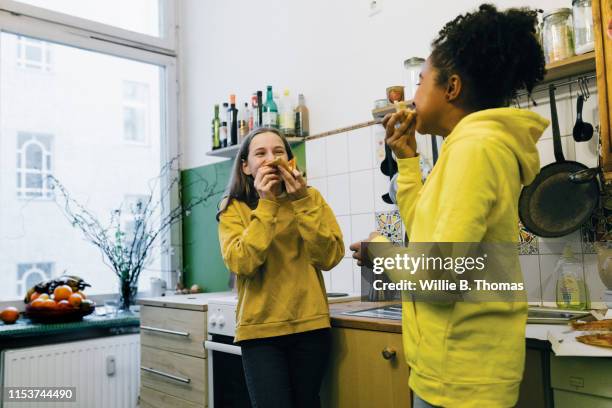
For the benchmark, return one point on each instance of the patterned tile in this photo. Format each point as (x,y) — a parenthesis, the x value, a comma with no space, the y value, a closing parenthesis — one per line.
(389,224)
(528,243)
(597,229)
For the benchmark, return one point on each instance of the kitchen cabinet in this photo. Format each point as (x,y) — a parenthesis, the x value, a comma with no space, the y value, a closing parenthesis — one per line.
(173,370)
(581,382)
(367,369)
(602,13)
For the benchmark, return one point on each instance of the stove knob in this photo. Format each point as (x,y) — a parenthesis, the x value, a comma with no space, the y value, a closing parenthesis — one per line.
(221,321)
(212,322)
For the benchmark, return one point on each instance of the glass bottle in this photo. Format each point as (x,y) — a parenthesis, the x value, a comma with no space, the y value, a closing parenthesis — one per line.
(216,129)
(301,118)
(287,118)
(270,110)
(571,290)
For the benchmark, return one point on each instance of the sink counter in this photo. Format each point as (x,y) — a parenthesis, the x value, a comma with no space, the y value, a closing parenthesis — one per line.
(363,323)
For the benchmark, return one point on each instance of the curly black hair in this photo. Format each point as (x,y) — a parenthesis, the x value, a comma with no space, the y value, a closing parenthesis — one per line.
(495,54)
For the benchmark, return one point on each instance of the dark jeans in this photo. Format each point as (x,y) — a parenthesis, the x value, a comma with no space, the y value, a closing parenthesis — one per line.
(286,371)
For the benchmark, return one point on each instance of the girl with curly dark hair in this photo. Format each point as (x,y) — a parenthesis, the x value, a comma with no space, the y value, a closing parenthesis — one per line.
(465,354)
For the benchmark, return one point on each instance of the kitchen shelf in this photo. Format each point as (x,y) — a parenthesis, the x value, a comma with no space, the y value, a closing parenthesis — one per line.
(575,65)
(230,152)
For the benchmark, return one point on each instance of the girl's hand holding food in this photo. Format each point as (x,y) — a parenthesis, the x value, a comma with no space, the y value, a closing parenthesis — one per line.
(294,183)
(267,182)
(401,139)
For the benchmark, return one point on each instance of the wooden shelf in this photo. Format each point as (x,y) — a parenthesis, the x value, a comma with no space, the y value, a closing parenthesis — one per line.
(230,152)
(575,65)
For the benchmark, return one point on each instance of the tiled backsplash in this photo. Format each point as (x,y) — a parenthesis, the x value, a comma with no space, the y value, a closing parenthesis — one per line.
(345,168)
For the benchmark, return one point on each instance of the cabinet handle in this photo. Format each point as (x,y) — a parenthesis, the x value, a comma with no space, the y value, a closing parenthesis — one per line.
(170,376)
(388,353)
(155,329)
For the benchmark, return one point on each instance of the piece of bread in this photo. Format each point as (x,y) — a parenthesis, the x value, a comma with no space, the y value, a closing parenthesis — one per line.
(287,165)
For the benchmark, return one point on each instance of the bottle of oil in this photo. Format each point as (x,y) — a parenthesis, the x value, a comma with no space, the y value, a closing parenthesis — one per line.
(571,290)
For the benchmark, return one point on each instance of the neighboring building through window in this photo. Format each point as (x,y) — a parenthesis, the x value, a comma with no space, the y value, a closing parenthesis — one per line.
(34,165)
(132,218)
(33,53)
(29,274)
(135,111)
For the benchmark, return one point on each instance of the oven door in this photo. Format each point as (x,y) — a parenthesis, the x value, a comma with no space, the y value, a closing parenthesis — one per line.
(226,384)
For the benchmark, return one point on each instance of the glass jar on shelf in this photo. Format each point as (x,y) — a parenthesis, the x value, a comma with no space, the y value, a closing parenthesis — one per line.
(558,35)
(582,14)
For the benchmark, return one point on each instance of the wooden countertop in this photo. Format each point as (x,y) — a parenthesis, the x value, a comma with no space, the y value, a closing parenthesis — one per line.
(363,323)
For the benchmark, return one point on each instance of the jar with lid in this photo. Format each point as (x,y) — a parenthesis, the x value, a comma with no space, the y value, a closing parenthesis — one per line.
(411,78)
(582,14)
(558,35)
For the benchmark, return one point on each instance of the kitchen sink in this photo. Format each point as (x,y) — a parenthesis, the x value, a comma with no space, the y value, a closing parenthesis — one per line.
(536,315)
(391,312)
(544,315)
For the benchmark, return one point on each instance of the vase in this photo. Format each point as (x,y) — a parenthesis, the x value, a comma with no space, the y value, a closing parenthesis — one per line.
(127,294)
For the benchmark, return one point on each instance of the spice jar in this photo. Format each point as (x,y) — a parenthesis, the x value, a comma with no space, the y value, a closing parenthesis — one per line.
(582,14)
(558,35)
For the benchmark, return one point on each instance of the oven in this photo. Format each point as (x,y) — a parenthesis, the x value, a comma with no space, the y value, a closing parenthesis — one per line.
(226,384)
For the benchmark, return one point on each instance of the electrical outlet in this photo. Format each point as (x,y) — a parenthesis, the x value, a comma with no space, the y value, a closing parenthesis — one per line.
(375,7)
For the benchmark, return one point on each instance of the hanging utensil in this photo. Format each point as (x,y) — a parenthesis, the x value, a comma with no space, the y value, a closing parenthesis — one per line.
(553,205)
(582,131)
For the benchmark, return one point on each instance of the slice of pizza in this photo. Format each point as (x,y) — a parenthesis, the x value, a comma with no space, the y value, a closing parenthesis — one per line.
(596,325)
(287,165)
(599,339)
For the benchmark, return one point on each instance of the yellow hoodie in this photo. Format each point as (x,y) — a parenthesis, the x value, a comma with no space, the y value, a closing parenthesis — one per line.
(278,251)
(469,354)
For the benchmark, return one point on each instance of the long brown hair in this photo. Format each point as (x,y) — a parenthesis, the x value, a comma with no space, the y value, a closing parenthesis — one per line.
(241,186)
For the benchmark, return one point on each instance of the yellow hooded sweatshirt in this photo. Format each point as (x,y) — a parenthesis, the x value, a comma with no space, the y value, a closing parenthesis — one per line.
(278,251)
(469,354)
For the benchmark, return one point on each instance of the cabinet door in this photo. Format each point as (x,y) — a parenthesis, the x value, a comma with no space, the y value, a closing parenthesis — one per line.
(602,13)
(359,376)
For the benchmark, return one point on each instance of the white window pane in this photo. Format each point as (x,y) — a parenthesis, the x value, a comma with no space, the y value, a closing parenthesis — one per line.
(141,16)
(34,157)
(33,53)
(134,124)
(75,120)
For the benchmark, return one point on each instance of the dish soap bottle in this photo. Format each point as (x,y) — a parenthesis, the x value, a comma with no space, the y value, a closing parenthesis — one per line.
(571,291)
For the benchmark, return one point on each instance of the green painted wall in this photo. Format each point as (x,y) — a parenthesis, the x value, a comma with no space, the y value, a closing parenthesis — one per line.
(202,262)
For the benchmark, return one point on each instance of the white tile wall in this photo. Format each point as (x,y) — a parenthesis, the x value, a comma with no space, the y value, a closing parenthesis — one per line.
(345,169)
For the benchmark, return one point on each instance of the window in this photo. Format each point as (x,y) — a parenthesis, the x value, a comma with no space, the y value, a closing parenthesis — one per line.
(135,111)
(33,54)
(33,165)
(141,16)
(70,125)
(29,274)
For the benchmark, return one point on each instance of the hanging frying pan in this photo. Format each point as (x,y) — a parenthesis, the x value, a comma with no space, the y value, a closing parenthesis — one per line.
(553,205)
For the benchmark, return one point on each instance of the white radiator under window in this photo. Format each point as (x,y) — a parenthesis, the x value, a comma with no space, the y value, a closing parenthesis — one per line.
(104,371)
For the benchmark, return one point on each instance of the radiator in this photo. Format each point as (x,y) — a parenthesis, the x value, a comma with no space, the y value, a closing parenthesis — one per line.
(104,371)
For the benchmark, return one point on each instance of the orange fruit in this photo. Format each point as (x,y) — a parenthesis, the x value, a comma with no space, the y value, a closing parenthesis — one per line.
(64,305)
(37,302)
(49,304)
(34,296)
(62,292)
(9,315)
(43,296)
(75,300)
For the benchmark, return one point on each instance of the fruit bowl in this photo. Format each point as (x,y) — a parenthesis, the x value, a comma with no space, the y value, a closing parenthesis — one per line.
(43,315)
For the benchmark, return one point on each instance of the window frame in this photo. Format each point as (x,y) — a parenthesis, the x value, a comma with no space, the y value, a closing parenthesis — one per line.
(19,24)
(166,43)
(44,66)
(22,171)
